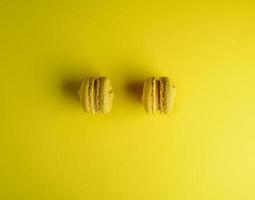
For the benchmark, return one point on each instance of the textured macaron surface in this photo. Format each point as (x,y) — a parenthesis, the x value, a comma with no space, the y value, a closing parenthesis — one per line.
(149,97)
(171,96)
(86,94)
(96,95)
(106,95)
(158,95)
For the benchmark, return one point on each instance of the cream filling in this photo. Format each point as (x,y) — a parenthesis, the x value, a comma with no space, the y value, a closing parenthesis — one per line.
(91,95)
(154,95)
(97,88)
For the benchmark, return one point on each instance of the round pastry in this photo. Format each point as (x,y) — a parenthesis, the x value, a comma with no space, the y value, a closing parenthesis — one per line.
(158,95)
(96,95)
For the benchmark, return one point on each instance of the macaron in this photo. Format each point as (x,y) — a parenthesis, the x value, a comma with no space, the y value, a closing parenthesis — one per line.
(158,95)
(96,95)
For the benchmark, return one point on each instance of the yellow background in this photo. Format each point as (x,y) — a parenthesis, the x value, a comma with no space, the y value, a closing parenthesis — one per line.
(51,149)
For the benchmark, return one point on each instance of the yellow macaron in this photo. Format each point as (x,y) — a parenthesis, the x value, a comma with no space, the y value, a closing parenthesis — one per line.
(158,95)
(96,95)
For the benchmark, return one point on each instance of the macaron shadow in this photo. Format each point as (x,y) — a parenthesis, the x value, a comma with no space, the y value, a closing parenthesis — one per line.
(134,89)
(70,89)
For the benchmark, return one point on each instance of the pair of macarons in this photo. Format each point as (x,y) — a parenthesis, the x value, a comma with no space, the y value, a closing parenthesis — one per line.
(96,95)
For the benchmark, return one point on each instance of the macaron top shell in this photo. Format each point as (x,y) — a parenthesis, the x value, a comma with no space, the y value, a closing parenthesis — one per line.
(166,94)
(149,97)
(170,96)
(106,95)
(86,95)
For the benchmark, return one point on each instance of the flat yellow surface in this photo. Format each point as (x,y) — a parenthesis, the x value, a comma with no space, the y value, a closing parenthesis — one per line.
(50,149)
